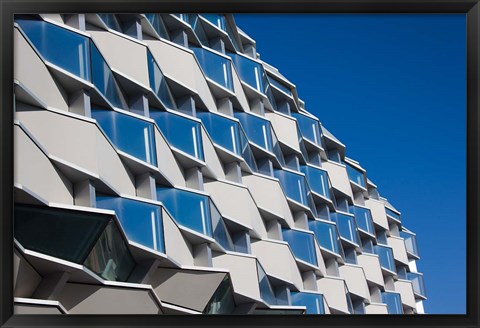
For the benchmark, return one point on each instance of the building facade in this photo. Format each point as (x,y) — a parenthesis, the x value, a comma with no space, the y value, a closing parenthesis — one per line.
(159,161)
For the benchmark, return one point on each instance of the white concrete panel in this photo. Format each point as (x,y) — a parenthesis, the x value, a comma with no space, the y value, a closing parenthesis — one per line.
(379,215)
(243,272)
(285,129)
(355,280)
(166,161)
(211,157)
(34,171)
(176,246)
(371,268)
(406,292)
(25,278)
(273,201)
(338,177)
(123,55)
(399,250)
(239,93)
(53,17)
(186,288)
(376,308)
(236,203)
(181,65)
(281,265)
(320,259)
(30,70)
(93,299)
(333,289)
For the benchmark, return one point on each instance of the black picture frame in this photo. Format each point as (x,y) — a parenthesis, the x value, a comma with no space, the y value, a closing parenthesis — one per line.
(9,7)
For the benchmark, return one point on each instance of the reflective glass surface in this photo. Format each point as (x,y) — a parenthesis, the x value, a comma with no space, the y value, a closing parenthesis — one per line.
(309,127)
(216,19)
(111,21)
(266,291)
(326,235)
(223,131)
(258,130)
(66,234)
(346,226)
(129,134)
(385,256)
(313,302)
(410,242)
(49,38)
(294,185)
(317,180)
(180,132)
(363,218)
(189,209)
(393,301)
(142,222)
(417,283)
(110,258)
(158,83)
(355,175)
(158,25)
(280,86)
(220,232)
(250,71)
(222,301)
(302,245)
(102,77)
(215,67)
(392,214)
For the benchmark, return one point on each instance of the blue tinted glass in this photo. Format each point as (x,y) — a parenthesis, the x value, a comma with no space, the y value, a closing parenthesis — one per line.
(103,79)
(393,301)
(385,256)
(129,134)
(249,71)
(410,242)
(111,21)
(417,283)
(158,25)
(317,179)
(216,19)
(232,36)
(294,185)
(268,92)
(158,83)
(363,218)
(183,17)
(220,232)
(199,30)
(392,214)
(181,132)
(346,226)
(142,222)
(381,237)
(188,209)
(280,86)
(223,131)
(257,129)
(48,39)
(266,290)
(302,245)
(309,128)
(326,235)
(277,149)
(313,302)
(355,175)
(215,67)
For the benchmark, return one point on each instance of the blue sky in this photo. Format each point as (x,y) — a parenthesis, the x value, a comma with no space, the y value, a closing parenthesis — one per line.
(392,89)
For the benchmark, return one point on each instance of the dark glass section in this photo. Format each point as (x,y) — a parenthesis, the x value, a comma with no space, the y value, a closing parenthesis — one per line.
(216,19)
(277,311)
(111,21)
(222,301)
(158,83)
(266,291)
(392,214)
(356,175)
(110,257)
(66,234)
(157,23)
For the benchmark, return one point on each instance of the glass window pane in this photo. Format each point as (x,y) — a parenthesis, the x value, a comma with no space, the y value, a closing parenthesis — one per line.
(410,242)
(223,131)
(355,175)
(48,38)
(346,227)
(385,256)
(363,219)
(188,209)
(302,245)
(294,185)
(129,134)
(393,301)
(158,25)
(326,235)
(111,21)
(216,19)
(142,222)
(110,258)
(215,67)
(250,72)
(280,86)
(391,213)
(313,302)
(220,232)
(258,130)
(66,234)
(222,301)
(317,179)
(309,128)
(417,283)
(102,78)
(266,290)
(181,132)
(158,83)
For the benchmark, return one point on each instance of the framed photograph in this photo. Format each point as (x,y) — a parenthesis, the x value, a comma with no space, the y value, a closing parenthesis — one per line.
(250,163)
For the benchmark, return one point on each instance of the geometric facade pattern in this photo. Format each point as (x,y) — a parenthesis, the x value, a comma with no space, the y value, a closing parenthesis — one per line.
(161,167)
